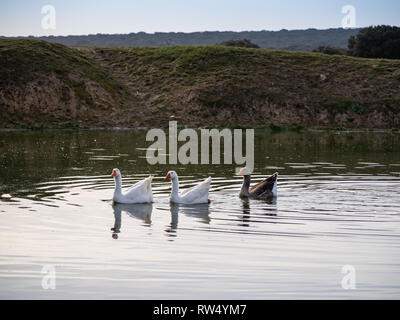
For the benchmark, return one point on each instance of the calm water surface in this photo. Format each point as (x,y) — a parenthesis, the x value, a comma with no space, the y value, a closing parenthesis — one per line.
(338,205)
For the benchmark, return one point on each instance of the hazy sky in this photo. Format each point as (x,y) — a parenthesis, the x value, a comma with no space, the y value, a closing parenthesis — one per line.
(18,18)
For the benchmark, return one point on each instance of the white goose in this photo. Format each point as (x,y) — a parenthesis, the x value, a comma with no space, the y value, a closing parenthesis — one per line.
(194,195)
(140,192)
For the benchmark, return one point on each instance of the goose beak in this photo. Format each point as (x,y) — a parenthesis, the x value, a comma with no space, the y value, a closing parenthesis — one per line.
(114,173)
(168,176)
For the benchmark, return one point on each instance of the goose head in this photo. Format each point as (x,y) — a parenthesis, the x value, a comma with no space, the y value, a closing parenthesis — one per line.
(116,173)
(171,175)
(244,172)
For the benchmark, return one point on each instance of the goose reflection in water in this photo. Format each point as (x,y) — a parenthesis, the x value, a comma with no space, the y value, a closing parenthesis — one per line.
(266,205)
(199,211)
(246,213)
(140,211)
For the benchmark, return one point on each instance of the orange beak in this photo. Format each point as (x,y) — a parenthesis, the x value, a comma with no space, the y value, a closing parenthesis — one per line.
(168,176)
(114,173)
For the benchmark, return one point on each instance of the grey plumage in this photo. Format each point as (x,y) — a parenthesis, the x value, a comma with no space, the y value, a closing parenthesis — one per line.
(265,189)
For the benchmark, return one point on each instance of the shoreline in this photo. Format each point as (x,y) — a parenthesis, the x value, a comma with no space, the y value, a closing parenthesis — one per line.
(272,130)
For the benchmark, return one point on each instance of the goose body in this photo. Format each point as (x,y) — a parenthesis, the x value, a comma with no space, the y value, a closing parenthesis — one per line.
(140,192)
(265,189)
(195,195)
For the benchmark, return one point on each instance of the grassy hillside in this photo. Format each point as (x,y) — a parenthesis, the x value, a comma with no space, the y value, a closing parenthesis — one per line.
(43,84)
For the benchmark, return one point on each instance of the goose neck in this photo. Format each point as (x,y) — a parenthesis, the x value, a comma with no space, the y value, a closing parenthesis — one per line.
(118,184)
(175,186)
(246,185)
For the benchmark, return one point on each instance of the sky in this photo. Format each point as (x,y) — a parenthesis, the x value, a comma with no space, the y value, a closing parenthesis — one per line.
(73,17)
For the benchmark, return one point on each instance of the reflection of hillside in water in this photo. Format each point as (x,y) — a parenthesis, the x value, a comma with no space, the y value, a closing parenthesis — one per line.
(31,157)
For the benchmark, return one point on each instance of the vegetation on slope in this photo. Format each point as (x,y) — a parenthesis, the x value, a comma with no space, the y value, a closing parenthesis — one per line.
(36,73)
(221,86)
(22,61)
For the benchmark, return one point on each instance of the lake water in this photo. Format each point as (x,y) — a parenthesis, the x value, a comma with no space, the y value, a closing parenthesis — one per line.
(338,207)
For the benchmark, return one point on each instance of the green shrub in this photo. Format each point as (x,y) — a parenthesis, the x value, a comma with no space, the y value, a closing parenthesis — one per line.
(376,42)
(330,50)
(243,43)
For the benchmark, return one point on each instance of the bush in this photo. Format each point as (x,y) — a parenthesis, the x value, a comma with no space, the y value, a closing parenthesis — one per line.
(376,42)
(244,43)
(330,50)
